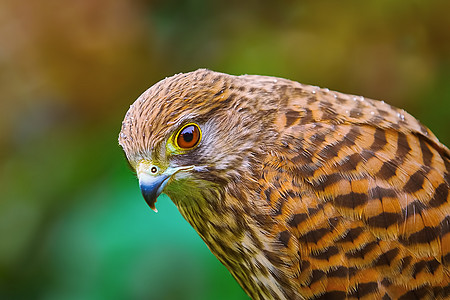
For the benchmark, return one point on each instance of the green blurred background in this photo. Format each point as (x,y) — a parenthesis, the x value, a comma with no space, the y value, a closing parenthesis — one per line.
(72,222)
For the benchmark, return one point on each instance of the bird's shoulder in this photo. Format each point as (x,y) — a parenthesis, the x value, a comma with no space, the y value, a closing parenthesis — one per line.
(352,189)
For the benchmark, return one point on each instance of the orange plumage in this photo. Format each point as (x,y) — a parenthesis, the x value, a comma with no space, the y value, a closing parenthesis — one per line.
(301,192)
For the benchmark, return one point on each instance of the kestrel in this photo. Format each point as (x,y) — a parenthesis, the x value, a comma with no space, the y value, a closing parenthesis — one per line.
(301,192)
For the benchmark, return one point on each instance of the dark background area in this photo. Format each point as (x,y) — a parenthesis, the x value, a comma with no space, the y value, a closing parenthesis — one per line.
(72,222)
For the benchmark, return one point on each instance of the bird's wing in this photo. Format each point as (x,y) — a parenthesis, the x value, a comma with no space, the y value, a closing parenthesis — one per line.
(362,208)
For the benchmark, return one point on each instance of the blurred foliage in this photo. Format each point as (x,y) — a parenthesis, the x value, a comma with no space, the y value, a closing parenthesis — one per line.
(72,222)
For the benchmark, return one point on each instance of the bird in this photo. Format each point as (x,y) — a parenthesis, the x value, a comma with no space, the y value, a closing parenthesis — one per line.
(299,191)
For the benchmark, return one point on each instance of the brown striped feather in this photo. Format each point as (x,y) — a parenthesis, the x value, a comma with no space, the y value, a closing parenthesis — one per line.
(324,195)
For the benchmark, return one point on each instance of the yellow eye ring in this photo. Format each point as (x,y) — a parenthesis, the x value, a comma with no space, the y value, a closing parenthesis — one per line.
(188,136)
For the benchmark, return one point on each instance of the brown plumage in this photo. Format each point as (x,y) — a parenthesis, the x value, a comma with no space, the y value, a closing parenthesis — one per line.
(301,192)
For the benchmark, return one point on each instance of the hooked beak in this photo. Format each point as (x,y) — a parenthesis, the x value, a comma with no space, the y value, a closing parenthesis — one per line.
(151,187)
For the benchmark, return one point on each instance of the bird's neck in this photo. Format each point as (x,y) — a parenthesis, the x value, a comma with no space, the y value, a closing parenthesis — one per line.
(234,233)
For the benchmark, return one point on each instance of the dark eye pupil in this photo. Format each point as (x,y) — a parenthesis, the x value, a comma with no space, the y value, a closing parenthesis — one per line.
(188,136)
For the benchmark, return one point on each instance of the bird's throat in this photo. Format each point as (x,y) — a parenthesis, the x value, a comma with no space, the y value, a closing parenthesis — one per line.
(232,235)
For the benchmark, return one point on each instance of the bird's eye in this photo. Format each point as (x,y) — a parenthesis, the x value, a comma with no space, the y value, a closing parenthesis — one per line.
(188,137)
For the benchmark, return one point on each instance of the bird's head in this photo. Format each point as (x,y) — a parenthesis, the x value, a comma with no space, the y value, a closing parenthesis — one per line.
(194,135)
